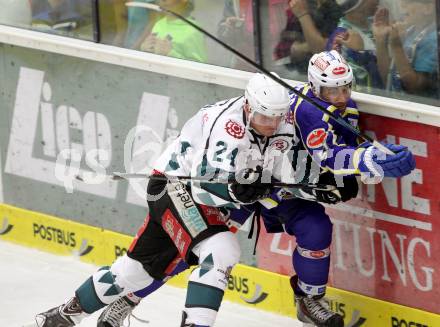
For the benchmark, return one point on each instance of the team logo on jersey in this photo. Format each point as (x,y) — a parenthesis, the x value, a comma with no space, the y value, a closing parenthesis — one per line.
(234,129)
(339,70)
(280,145)
(316,138)
(321,64)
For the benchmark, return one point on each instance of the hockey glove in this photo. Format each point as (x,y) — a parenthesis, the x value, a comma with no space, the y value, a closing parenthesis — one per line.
(348,190)
(327,191)
(330,197)
(377,164)
(253,191)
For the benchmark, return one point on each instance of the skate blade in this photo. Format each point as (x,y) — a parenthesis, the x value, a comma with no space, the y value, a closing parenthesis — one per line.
(308,325)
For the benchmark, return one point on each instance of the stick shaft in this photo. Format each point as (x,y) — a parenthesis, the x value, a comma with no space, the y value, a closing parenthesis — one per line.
(128,176)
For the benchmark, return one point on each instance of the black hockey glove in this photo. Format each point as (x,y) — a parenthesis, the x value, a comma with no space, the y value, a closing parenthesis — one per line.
(350,188)
(343,193)
(330,197)
(251,192)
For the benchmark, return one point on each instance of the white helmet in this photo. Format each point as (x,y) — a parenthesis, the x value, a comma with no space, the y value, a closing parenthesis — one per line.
(329,69)
(266,96)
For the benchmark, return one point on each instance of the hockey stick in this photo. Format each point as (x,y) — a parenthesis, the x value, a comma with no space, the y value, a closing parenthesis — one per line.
(339,120)
(128,176)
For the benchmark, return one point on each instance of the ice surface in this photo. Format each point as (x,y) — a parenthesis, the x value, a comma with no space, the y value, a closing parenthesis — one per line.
(32,281)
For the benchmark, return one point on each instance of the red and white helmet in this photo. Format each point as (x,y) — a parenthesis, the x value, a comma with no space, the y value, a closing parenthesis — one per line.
(328,69)
(267,97)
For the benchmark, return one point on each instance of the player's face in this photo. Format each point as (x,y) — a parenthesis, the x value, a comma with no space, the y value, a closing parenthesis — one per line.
(337,96)
(265,125)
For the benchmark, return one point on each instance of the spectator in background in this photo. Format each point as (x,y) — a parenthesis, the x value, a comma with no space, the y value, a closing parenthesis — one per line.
(354,39)
(140,22)
(175,38)
(302,37)
(407,50)
(125,26)
(236,27)
(233,30)
(342,25)
(112,21)
(62,16)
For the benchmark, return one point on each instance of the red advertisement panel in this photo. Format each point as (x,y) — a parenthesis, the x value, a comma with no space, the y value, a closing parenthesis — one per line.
(386,243)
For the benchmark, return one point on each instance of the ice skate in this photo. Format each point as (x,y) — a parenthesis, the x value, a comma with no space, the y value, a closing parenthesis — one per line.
(312,311)
(61,316)
(115,313)
(187,324)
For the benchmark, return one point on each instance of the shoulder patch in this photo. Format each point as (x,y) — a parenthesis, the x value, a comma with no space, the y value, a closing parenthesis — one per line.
(234,129)
(316,138)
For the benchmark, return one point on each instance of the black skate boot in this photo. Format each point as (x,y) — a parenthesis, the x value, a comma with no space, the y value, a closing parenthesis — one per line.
(187,324)
(313,311)
(116,312)
(60,316)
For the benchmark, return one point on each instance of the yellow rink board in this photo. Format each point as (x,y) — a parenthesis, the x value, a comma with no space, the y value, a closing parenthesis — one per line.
(247,285)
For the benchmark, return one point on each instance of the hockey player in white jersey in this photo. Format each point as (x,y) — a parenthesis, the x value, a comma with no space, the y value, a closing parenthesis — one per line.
(239,138)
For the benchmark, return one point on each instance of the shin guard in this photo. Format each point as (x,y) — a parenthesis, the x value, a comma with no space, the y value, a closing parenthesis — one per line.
(110,283)
(217,256)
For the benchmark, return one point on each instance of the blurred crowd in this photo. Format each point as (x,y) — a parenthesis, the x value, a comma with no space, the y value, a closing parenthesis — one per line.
(391,48)
(391,44)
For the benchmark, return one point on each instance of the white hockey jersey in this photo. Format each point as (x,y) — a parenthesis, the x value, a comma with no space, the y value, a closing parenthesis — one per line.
(216,142)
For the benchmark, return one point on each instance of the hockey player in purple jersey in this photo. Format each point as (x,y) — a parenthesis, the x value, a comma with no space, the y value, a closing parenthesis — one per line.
(336,158)
(340,158)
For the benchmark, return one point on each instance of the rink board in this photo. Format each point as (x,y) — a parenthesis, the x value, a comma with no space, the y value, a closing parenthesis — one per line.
(247,285)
